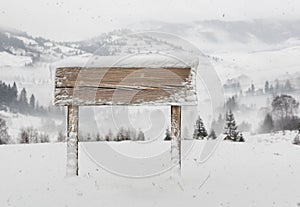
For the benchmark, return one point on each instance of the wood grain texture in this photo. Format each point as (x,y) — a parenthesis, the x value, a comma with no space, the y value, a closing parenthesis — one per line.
(72,140)
(100,86)
(176,137)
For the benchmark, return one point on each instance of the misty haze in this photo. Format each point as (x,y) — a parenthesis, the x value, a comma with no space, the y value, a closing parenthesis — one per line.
(201,105)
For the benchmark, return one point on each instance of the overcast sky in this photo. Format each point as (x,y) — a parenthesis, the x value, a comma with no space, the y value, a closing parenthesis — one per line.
(80,19)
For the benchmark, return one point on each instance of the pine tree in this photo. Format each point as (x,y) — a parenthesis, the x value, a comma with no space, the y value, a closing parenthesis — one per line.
(167,135)
(14,92)
(98,137)
(267,87)
(23,102)
(252,88)
(185,133)
(288,86)
(109,136)
(240,138)
(61,137)
(32,101)
(297,138)
(212,134)
(141,136)
(23,97)
(121,135)
(88,138)
(24,137)
(4,137)
(230,127)
(268,124)
(277,86)
(200,131)
(44,138)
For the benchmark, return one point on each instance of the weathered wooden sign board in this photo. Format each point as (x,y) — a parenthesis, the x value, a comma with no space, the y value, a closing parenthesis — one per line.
(113,86)
(82,86)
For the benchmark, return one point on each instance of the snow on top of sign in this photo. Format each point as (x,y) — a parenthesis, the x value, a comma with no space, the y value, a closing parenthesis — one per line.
(188,96)
(150,60)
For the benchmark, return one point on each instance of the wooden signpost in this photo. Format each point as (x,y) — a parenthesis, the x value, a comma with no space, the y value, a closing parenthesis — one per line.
(75,86)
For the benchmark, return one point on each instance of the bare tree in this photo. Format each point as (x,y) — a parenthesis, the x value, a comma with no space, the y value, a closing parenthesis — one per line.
(284,106)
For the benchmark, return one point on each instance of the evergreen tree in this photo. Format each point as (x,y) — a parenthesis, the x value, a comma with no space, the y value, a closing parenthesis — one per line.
(277,86)
(200,131)
(231,104)
(44,138)
(23,102)
(267,87)
(230,127)
(268,124)
(185,133)
(121,135)
(271,89)
(14,92)
(32,101)
(168,135)
(252,88)
(23,97)
(24,137)
(109,136)
(88,138)
(61,137)
(218,125)
(240,138)
(127,134)
(4,137)
(98,137)
(288,86)
(141,136)
(297,140)
(212,134)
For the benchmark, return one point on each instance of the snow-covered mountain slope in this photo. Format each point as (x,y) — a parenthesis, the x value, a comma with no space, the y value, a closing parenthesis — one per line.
(221,36)
(10,60)
(260,66)
(35,49)
(15,122)
(250,52)
(255,173)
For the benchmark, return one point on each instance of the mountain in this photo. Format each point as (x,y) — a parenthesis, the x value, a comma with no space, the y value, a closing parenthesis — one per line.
(211,37)
(18,48)
(217,35)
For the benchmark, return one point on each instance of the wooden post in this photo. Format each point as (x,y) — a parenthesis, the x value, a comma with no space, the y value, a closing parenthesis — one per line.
(176,137)
(72,141)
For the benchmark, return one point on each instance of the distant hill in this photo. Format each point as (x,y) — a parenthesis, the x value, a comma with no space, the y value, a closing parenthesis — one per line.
(213,36)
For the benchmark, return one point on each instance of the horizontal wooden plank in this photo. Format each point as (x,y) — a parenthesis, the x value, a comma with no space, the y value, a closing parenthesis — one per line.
(113,96)
(120,86)
(122,77)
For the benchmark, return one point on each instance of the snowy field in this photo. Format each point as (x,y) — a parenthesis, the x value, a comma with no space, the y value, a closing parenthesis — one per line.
(264,171)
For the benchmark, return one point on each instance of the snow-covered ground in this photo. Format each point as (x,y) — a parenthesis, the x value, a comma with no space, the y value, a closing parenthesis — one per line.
(264,171)
(13,61)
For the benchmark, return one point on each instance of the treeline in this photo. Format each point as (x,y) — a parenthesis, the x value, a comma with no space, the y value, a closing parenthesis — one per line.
(226,126)
(282,115)
(30,135)
(277,88)
(122,134)
(27,135)
(13,100)
(270,87)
